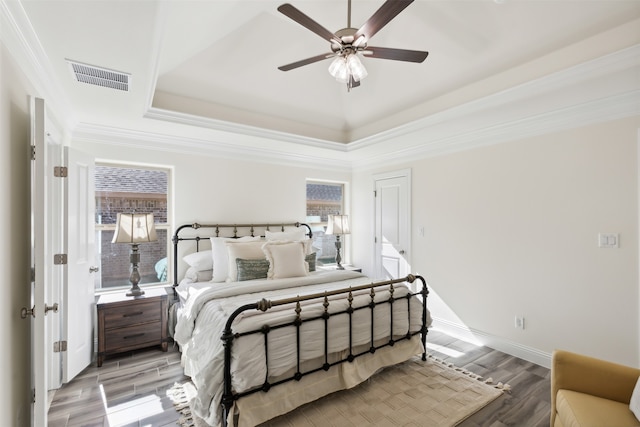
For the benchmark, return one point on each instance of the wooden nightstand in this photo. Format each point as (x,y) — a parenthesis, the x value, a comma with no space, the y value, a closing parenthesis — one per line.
(128,323)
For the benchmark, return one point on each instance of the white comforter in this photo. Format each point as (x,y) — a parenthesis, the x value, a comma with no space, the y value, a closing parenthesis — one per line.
(201,322)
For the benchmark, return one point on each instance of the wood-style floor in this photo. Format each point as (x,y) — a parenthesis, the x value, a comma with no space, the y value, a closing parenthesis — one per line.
(130,390)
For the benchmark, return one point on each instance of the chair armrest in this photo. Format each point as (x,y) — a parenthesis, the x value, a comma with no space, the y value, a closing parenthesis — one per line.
(571,371)
(592,376)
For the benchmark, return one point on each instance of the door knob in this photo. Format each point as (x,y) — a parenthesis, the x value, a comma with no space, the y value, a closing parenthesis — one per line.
(48,308)
(25,312)
(401,252)
(94,269)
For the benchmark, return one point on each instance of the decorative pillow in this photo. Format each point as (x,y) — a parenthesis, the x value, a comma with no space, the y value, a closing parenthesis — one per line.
(221,257)
(311,261)
(239,249)
(634,405)
(286,259)
(290,235)
(249,269)
(200,261)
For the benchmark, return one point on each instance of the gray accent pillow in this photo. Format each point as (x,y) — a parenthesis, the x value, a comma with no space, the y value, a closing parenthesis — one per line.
(249,269)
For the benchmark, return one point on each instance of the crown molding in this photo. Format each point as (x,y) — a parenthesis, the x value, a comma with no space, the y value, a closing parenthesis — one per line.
(599,111)
(116,137)
(252,131)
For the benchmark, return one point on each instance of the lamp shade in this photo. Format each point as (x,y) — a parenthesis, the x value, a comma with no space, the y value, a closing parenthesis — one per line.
(135,228)
(338,224)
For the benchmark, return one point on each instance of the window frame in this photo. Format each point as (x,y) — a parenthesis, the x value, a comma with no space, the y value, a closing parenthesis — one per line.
(345,251)
(166,226)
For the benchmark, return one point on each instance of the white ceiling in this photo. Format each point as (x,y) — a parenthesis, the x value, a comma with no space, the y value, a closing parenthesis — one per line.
(217,60)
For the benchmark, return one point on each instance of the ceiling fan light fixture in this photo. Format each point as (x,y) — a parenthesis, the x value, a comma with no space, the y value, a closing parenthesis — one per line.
(344,67)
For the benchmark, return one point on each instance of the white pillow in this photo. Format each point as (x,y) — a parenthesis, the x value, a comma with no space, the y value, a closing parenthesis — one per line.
(241,249)
(286,259)
(200,261)
(634,405)
(198,275)
(292,235)
(297,235)
(221,257)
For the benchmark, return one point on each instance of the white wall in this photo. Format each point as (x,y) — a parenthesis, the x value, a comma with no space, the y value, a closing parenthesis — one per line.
(511,229)
(209,189)
(14,246)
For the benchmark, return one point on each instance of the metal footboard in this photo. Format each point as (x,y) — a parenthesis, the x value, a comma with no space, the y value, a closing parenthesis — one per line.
(229,336)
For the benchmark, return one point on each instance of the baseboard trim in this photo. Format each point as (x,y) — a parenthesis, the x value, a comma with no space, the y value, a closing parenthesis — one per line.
(478,337)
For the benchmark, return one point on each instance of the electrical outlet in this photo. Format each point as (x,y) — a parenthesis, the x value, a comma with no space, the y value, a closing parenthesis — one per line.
(519,322)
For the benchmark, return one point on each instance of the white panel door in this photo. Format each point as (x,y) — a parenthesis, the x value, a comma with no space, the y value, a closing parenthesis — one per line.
(79,284)
(392,225)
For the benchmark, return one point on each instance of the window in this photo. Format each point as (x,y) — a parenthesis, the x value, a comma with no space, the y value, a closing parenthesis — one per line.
(324,199)
(129,189)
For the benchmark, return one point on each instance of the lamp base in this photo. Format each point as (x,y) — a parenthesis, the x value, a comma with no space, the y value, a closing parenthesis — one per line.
(135,291)
(134,257)
(338,257)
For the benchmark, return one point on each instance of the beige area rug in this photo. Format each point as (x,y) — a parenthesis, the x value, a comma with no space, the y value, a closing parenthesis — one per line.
(413,393)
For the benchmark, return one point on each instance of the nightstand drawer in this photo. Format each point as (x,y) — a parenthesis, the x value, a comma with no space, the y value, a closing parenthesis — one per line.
(138,335)
(143,312)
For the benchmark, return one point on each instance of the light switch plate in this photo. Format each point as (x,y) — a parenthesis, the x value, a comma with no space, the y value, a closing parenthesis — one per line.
(608,240)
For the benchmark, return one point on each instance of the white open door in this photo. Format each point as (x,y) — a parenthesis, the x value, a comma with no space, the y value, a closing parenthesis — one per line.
(39,167)
(392,225)
(79,284)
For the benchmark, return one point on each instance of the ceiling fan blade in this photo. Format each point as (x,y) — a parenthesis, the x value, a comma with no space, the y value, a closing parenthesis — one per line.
(395,54)
(302,19)
(305,61)
(381,17)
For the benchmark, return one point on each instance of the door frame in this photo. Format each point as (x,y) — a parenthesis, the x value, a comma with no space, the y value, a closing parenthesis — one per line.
(401,173)
(39,166)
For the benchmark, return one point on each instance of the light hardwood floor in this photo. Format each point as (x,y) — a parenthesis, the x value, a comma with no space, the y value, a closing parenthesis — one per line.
(130,390)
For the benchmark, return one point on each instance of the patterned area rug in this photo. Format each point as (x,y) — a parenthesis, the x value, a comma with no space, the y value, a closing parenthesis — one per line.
(413,393)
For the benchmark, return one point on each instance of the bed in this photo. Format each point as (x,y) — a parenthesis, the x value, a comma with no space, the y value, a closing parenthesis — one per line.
(268,332)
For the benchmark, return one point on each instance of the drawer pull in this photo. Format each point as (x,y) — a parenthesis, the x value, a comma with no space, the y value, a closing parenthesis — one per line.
(137,313)
(133,336)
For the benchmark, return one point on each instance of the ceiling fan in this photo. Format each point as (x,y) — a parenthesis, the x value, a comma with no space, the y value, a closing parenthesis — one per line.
(348,43)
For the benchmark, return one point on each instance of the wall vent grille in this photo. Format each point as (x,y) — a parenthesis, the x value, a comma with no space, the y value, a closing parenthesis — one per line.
(99,76)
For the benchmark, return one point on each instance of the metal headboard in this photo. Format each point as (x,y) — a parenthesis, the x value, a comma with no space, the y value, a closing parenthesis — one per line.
(233,231)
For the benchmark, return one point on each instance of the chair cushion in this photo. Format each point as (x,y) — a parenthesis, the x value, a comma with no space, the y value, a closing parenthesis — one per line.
(576,409)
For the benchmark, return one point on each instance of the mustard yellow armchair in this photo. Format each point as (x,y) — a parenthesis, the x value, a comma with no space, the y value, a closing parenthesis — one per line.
(588,392)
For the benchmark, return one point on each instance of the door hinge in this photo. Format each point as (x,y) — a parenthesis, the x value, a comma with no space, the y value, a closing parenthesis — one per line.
(33,152)
(60,171)
(59,346)
(33,274)
(33,395)
(375,193)
(60,259)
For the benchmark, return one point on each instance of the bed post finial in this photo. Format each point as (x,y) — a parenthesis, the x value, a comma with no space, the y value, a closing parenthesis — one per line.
(263,305)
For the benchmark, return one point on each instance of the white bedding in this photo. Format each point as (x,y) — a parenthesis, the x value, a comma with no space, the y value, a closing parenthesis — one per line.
(201,320)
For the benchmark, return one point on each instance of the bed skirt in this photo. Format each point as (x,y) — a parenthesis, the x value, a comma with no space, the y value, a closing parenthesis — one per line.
(257,408)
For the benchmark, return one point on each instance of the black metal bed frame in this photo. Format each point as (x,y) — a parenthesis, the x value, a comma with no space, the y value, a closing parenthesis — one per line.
(229,336)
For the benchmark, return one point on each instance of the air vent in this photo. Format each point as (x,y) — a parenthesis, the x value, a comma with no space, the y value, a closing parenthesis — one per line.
(99,76)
